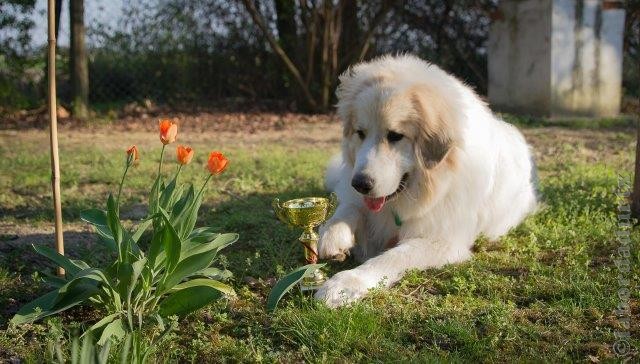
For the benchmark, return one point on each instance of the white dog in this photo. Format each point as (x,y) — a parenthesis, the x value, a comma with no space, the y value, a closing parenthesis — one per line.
(425,169)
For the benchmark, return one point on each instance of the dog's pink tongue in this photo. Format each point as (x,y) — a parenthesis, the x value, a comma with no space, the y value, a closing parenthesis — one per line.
(374,204)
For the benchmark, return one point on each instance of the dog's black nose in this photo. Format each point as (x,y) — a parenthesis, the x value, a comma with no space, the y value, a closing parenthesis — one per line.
(362,183)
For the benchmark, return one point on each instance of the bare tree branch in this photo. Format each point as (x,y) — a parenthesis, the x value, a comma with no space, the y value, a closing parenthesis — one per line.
(364,44)
(311,46)
(255,15)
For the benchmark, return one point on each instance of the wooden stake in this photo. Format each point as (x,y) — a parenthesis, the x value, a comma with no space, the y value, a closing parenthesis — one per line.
(53,118)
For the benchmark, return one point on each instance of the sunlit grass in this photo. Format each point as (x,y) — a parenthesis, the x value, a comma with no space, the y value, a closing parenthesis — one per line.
(545,292)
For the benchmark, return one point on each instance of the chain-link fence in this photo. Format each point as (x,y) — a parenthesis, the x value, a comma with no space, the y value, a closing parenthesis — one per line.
(182,52)
(167,51)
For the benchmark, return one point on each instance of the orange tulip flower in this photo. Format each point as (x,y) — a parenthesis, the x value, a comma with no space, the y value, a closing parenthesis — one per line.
(168,131)
(217,162)
(132,155)
(184,154)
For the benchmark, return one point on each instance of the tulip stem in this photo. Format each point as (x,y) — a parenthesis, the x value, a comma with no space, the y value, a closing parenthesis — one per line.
(205,184)
(157,197)
(161,159)
(120,187)
(178,172)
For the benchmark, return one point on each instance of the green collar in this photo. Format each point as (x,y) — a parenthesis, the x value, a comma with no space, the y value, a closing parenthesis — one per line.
(396,218)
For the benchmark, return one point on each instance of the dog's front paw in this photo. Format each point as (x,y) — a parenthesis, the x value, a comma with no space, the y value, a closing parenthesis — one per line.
(335,241)
(343,288)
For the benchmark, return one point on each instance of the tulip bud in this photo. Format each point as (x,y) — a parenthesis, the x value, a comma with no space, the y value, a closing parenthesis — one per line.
(217,163)
(132,155)
(184,154)
(168,131)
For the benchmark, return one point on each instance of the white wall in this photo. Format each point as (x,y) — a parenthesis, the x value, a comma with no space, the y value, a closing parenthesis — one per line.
(556,58)
(586,58)
(519,69)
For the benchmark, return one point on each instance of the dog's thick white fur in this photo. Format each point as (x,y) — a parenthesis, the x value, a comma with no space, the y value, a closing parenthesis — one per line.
(450,170)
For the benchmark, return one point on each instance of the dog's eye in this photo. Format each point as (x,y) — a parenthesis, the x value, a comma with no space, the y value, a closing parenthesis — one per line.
(361,134)
(393,137)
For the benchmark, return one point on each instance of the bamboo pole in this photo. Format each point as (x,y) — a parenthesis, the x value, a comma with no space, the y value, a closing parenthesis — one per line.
(53,118)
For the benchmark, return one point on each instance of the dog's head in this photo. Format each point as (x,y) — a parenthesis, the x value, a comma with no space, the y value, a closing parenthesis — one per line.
(397,135)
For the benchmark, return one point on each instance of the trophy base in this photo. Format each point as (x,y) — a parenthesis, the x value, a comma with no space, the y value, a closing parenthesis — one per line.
(313,281)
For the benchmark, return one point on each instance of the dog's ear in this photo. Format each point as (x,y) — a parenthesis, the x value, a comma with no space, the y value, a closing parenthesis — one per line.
(435,128)
(352,82)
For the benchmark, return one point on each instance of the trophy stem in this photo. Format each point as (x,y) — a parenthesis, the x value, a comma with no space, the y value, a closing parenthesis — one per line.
(309,240)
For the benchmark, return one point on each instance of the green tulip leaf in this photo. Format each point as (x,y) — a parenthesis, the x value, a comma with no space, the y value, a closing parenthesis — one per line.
(71,267)
(187,300)
(287,282)
(205,282)
(94,217)
(113,329)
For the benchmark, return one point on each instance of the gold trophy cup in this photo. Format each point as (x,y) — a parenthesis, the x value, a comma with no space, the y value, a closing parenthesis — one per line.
(307,213)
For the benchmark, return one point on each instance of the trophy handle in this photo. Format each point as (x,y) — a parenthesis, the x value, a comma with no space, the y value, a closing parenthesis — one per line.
(333,203)
(280,212)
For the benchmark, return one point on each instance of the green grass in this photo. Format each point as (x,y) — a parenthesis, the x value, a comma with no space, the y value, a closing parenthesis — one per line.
(545,292)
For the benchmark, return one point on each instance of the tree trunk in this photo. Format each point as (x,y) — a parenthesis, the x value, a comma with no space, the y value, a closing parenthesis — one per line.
(78,63)
(293,69)
(351,31)
(288,39)
(286,25)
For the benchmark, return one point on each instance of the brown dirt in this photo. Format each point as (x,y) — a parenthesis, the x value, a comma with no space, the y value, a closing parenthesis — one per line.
(205,121)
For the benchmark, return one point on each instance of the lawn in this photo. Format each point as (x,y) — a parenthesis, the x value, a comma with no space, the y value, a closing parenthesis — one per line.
(544,292)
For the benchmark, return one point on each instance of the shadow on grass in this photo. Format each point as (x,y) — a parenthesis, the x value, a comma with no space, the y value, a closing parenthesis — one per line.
(42,210)
(19,263)
(266,248)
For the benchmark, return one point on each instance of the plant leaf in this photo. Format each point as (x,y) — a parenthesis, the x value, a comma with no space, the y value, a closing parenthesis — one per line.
(205,282)
(188,300)
(113,222)
(186,219)
(33,310)
(188,266)
(220,242)
(98,325)
(203,234)
(184,201)
(75,350)
(67,296)
(142,227)
(53,280)
(126,348)
(74,292)
(171,243)
(137,266)
(287,282)
(125,272)
(160,321)
(155,248)
(71,267)
(98,218)
(107,238)
(166,196)
(94,217)
(113,329)
(214,273)
(87,353)
(153,197)
(103,356)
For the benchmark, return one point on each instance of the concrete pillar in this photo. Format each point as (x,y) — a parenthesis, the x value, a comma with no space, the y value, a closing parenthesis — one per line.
(557,57)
